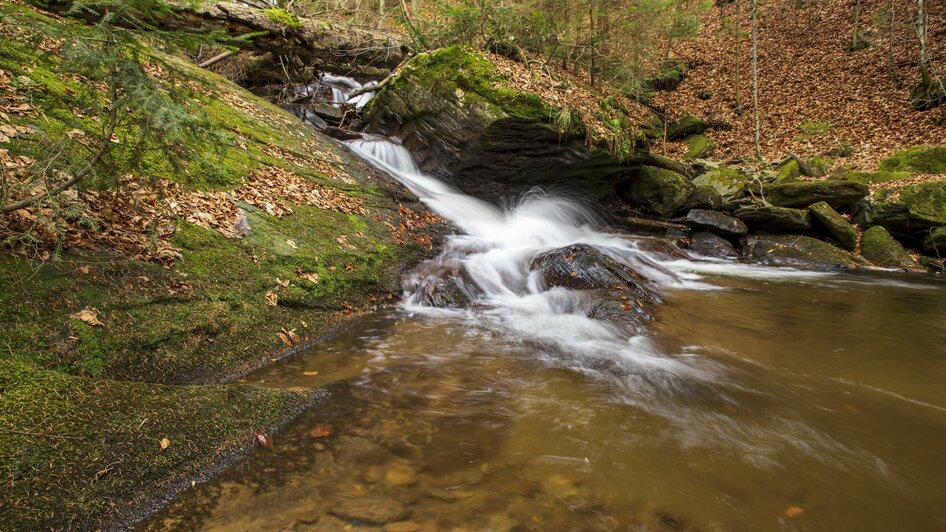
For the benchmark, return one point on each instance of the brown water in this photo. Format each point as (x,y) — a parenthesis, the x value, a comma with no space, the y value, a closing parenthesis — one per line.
(809,404)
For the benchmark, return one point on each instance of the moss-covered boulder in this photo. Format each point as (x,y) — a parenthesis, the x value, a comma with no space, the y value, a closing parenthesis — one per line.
(698,147)
(910,212)
(834,224)
(918,160)
(883,250)
(730,184)
(771,218)
(715,222)
(657,191)
(799,251)
(685,126)
(703,197)
(837,194)
(465,123)
(788,172)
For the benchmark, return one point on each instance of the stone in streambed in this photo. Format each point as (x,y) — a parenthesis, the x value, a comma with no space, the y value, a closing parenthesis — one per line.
(716,222)
(770,218)
(401,526)
(369,510)
(880,248)
(799,251)
(836,225)
(710,245)
(441,284)
(657,190)
(328,523)
(804,193)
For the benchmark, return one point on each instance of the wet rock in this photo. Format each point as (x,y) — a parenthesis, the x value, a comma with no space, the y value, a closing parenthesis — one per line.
(836,225)
(369,510)
(769,218)
(704,197)
(799,251)
(883,250)
(448,495)
(710,245)
(657,190)
(330,523)
(836,193)
(400,474)
(442,284)
(355,449)
(730,184)
(933,264)
(716,222)
(935,243)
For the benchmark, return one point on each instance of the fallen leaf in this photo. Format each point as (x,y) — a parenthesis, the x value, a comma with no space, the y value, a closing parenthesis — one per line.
(88,315)
(304,324)
(350,267)
(285,338)
(165,443)
(292,243)
(82,270)
(264,440)
(310,373)
(293,337)
(793,511)
(271,298)
(321,431)
(280,282)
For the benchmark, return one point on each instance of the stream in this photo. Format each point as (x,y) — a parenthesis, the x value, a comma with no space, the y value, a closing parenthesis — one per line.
(757,399)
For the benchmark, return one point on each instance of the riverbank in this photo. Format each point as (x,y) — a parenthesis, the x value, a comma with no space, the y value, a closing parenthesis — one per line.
(124,305)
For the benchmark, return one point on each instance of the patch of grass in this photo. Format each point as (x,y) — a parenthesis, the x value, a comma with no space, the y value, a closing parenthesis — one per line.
(810,128)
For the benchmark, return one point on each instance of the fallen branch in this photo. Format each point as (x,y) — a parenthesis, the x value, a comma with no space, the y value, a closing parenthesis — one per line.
(217,58)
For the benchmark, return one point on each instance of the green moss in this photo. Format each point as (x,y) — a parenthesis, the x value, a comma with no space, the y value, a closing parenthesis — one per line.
(789,172)
(658,191)
(283,17)
(728,182)
(687,125)
(698,147)
(880,248)
(918,159)
(877,177)
(81,451)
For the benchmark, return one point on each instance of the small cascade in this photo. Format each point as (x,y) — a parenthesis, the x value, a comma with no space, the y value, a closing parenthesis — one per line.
(327,101)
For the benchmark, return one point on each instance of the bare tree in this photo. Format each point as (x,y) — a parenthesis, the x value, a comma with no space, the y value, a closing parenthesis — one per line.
(755,78)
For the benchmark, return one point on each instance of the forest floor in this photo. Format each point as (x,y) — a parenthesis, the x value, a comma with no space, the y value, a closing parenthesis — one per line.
(815,95)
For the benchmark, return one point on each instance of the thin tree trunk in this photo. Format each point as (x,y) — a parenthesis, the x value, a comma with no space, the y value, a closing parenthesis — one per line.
(856,36)
(891,66)
(738,22)
(755,78)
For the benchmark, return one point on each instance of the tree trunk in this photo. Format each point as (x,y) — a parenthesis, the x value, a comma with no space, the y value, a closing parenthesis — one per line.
(856,35)
(738,21)
(755,78)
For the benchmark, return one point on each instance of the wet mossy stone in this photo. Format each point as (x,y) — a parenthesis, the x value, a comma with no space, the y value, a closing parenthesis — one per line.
(918,159)
(935,242)
(883,250)
(836,225)
(804,193)
(687,125)
(771,218)
(704,197)
(658,191)
(799,251)
(729,183)
(933,264)
(716,222)
(710,245)
(698,146)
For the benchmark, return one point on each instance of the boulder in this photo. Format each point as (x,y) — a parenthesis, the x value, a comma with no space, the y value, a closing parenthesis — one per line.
(769,218)
(935,242)
(917,160)
(441,284)
(687,125)
(883,250)
(710,245)
(789,172)
(657,190)
(716,222)
(728,182)
(933,264)
(698,146)
(799,251)
(836,225)
(836,193)
(703,197)
(910,212)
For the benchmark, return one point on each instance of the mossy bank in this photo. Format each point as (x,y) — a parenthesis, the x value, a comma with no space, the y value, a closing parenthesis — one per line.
(118,325)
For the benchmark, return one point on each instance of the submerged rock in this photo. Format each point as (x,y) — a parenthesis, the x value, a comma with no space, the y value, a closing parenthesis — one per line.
(836,225)
(658,190)
(370,510)
(804,193)
(883,250)
(716,222)
(769,218)
(799,251)
(442,284)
